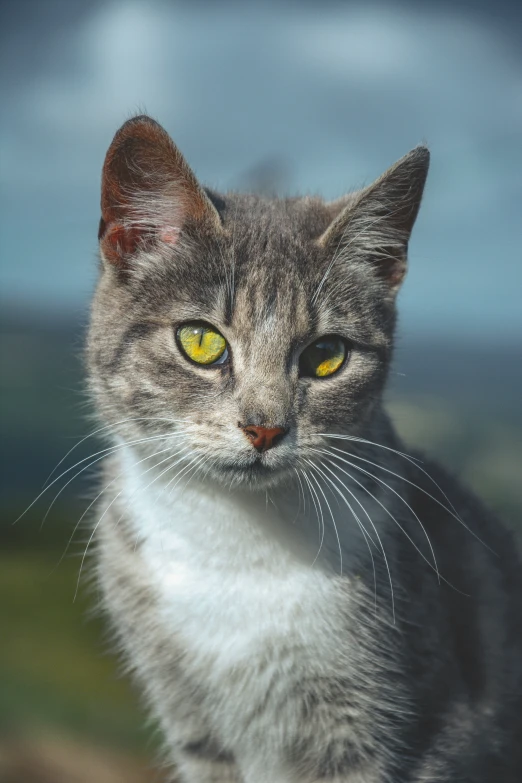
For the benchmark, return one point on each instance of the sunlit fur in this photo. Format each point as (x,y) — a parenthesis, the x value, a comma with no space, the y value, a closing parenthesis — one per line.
(330,609)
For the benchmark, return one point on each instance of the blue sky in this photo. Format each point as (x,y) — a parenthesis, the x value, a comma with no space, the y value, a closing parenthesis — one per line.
(336,92)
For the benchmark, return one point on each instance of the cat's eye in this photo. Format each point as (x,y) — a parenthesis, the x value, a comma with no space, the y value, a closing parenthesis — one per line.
(323,358)
(202,343)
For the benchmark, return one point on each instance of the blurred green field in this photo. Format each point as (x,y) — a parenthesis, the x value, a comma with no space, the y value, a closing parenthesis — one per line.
(52,662)
(66,714)
(53,666)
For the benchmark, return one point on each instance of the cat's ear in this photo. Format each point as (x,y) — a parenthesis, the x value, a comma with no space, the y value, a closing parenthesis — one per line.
(149,194)
(375,224)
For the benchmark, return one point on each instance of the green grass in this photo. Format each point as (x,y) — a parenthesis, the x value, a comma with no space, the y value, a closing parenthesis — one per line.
(54,668)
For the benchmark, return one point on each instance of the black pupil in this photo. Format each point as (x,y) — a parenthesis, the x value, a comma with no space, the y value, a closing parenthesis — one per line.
(317,353)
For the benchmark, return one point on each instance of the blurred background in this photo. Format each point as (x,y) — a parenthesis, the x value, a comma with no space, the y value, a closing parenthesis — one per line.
(314,96)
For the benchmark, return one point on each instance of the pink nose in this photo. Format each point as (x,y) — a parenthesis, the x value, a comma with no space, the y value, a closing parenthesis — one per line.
(263,438)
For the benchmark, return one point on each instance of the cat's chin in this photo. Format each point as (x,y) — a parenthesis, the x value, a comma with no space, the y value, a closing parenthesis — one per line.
(255,475)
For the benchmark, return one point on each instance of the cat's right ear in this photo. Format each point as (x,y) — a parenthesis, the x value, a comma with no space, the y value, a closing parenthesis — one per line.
(149,193)
(374,225)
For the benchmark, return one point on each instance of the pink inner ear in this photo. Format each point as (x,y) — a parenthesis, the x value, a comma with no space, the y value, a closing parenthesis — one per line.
(169,235)
(120,241)
(148,192)
(396,276)
(396,273)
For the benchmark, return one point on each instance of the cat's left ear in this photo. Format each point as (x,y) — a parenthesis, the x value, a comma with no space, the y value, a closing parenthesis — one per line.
(149,194)
(376,223)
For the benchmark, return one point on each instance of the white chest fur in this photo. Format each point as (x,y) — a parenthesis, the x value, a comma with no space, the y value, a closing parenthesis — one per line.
(233,578)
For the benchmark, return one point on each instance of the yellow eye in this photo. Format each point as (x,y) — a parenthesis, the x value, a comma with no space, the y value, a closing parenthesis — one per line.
(323,358)
(202,343)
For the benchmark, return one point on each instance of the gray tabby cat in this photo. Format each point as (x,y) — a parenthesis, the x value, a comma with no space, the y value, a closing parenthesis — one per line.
(299,599)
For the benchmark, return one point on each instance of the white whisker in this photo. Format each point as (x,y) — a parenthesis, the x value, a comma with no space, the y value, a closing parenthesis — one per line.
(421,489)
(86,467)
(99,495)
(357,439)
(397,494)
(105,512)
(415,461)
(331,515)
(319,514)
(195,460)
(388,512)
(300,493)
(111,426)
(103,452)
(367,535)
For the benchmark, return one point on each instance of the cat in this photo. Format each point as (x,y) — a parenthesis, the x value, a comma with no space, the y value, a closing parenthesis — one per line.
(299,599)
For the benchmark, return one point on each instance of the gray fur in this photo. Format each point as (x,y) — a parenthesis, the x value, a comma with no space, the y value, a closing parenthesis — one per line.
(414,671)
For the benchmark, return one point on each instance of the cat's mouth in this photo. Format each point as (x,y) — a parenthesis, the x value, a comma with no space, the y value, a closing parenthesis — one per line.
(262,469)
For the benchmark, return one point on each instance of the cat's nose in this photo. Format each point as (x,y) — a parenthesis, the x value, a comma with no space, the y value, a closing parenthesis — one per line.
(263,438)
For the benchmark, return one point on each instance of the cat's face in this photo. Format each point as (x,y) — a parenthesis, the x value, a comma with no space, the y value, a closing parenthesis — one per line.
(247,329)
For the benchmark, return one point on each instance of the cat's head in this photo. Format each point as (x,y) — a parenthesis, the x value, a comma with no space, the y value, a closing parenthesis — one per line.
(245,328)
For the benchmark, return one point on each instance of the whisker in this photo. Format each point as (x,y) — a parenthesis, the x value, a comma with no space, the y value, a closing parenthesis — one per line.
(357,439)
(319,514)
(107,427)
(415,461)
(397,494)
(211,463)
(312,475)
(103,452)
(300,493)
(197,458)
(99,495)
(365,533)
(195,470)
(90,541)
(86,467)
(190,476)
(91,537)
(421,489)
(177,458)
(387,511)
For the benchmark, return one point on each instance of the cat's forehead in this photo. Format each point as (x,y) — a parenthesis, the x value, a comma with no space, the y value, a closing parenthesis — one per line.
(263,275)
(251,217)
(272,269)
(271,245)
(270,304)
